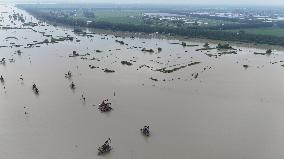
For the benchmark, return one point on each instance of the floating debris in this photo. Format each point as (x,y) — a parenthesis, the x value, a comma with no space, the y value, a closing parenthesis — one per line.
(92,67)
(11,37)
(258,53)
(74,54)
(227,53)
(148,50)
(106,70)
(120,42)
(196,75)
(153,79)
(126,63)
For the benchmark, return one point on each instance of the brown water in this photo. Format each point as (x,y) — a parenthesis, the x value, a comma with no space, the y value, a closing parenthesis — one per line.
(227,112)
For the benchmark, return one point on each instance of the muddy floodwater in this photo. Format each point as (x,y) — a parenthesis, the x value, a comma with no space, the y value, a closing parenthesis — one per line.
(200,102)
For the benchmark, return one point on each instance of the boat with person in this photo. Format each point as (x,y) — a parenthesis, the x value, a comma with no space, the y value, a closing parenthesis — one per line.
(105,148)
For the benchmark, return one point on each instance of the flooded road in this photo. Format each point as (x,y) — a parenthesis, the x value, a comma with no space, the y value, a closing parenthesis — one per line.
(199,104)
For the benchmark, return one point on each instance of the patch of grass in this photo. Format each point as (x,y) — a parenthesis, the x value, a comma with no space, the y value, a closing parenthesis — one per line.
(118,16)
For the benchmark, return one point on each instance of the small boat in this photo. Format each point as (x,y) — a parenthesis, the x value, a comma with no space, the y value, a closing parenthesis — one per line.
(2,79)
(72,86)
(36,91)
(105,148)
(104,151)
(145,131)
(105,107)
(68,75)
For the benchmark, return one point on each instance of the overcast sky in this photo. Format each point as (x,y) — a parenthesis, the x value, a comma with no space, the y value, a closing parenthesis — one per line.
(203,2)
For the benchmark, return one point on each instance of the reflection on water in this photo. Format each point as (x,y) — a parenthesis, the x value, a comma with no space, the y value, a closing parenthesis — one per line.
(216,109)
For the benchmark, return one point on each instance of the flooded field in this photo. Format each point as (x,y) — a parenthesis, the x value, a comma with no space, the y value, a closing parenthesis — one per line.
(200,102)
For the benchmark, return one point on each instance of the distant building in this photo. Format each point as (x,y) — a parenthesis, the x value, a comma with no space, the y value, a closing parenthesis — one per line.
(89,22)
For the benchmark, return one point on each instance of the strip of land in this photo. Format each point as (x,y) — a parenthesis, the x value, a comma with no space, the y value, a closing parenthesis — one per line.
(189,23)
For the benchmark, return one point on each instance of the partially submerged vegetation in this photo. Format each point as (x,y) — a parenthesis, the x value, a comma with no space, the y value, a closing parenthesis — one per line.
(166,70)
(224,47)
(106,70)
(148,50)
(268,52)
(126,63)
(88,60)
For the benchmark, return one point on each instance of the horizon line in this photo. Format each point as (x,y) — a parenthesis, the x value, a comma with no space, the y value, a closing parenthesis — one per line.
(153,4)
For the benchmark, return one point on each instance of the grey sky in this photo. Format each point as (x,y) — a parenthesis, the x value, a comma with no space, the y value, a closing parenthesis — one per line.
(203,2)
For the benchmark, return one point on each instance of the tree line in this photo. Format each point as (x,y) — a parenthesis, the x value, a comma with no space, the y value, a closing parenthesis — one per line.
(214,33)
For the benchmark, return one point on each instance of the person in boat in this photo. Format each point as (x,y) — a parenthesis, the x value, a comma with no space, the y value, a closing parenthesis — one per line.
(1,79)
(21,77)
(68,75)
(83,97)
(36,90)
(34,86)
(72,85)
(146,130)
(3,60)
(106,144)
(103,103)
(105,147)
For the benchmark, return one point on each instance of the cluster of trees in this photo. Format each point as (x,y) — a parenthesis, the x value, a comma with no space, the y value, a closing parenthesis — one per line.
(193,32)
(241,26)
(57,17)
